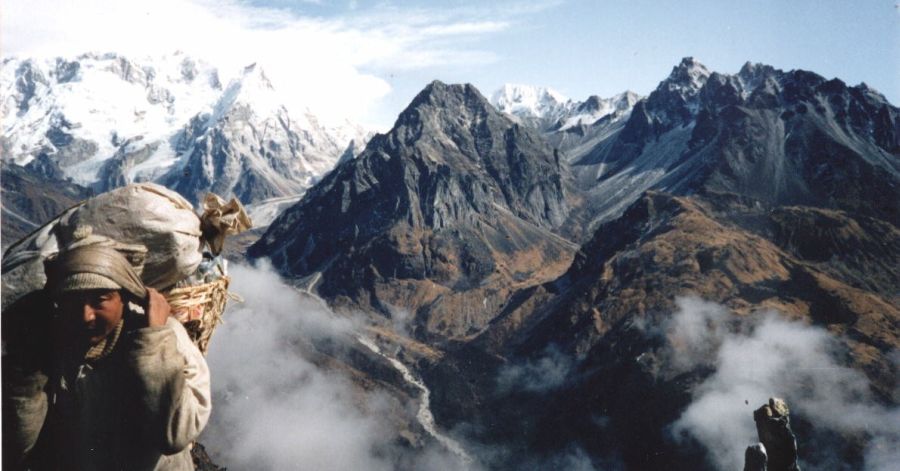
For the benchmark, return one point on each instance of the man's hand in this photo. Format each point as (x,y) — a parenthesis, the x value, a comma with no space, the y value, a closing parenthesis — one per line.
(157,308)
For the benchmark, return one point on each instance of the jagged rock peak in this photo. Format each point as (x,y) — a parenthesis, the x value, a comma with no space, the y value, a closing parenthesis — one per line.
(690,72)
(756,69)
(773,426)
(871,93)
(619,102)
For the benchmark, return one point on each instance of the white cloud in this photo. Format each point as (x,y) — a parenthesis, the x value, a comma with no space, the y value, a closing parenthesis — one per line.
(315,62)
(274,408)
(768,356)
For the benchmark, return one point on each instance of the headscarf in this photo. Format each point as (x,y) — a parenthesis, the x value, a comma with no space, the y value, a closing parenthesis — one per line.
(93,267)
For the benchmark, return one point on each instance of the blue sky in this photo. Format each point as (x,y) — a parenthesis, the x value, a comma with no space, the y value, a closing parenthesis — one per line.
(582,48)
(367,59)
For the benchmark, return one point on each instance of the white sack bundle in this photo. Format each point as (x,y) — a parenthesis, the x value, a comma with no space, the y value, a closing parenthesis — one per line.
(144,214)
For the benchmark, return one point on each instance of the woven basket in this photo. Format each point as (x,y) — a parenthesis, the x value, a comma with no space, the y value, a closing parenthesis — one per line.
(200,308)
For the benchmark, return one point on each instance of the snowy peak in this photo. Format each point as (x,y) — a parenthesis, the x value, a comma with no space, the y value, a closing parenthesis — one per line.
(550,111)
(80,110)
(251,146)
(530,101)
(254,78)
(252,92)
(104,120)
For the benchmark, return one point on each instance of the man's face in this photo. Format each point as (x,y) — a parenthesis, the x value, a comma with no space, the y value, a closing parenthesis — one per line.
(92,313)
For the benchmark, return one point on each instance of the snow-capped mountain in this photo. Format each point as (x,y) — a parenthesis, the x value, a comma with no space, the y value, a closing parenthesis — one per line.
(84,111)
(573,127)
(549,110)
(540,107)
(249,145)
(104,120)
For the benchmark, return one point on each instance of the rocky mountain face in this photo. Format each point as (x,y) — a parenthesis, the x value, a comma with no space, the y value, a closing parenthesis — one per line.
(780,137)
(105,120)
(30,198)
(776,190)
(763,190)
(442,217)
(827,267)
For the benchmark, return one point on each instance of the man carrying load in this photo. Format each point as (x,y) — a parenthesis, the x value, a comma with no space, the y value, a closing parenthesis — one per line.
(103,378)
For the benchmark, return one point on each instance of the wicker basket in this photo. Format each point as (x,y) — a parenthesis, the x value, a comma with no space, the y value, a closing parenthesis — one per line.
(200,308)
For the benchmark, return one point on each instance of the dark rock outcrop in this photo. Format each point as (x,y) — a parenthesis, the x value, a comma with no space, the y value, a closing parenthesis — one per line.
(773,425)
(755,458)
(202,461)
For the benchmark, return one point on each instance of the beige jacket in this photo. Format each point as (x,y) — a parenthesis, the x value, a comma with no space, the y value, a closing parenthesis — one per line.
(137,409)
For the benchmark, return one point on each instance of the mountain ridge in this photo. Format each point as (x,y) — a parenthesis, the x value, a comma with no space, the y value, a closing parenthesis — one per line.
(105,120)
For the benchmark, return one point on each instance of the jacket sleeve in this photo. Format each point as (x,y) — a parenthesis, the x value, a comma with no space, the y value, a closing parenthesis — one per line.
(173,385)
(25,328)
(24,412)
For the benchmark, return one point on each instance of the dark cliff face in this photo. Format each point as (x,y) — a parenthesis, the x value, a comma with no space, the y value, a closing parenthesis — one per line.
(448,212)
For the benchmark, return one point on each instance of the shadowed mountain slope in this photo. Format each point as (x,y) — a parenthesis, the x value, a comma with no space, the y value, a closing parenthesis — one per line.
(442,217)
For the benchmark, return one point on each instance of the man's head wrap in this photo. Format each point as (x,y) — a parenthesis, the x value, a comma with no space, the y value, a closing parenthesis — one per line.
(93,267)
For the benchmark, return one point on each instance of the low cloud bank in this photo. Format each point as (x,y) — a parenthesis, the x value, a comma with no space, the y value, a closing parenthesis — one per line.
(765,355)
(273,409)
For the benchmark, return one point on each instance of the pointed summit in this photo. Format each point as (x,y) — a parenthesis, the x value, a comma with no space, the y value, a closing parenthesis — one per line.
(251,88)
(690,73)
(752,69)
(437,95)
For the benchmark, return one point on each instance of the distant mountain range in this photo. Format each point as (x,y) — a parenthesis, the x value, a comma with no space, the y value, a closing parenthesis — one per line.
(530,229)
(548,110)
(105,120)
